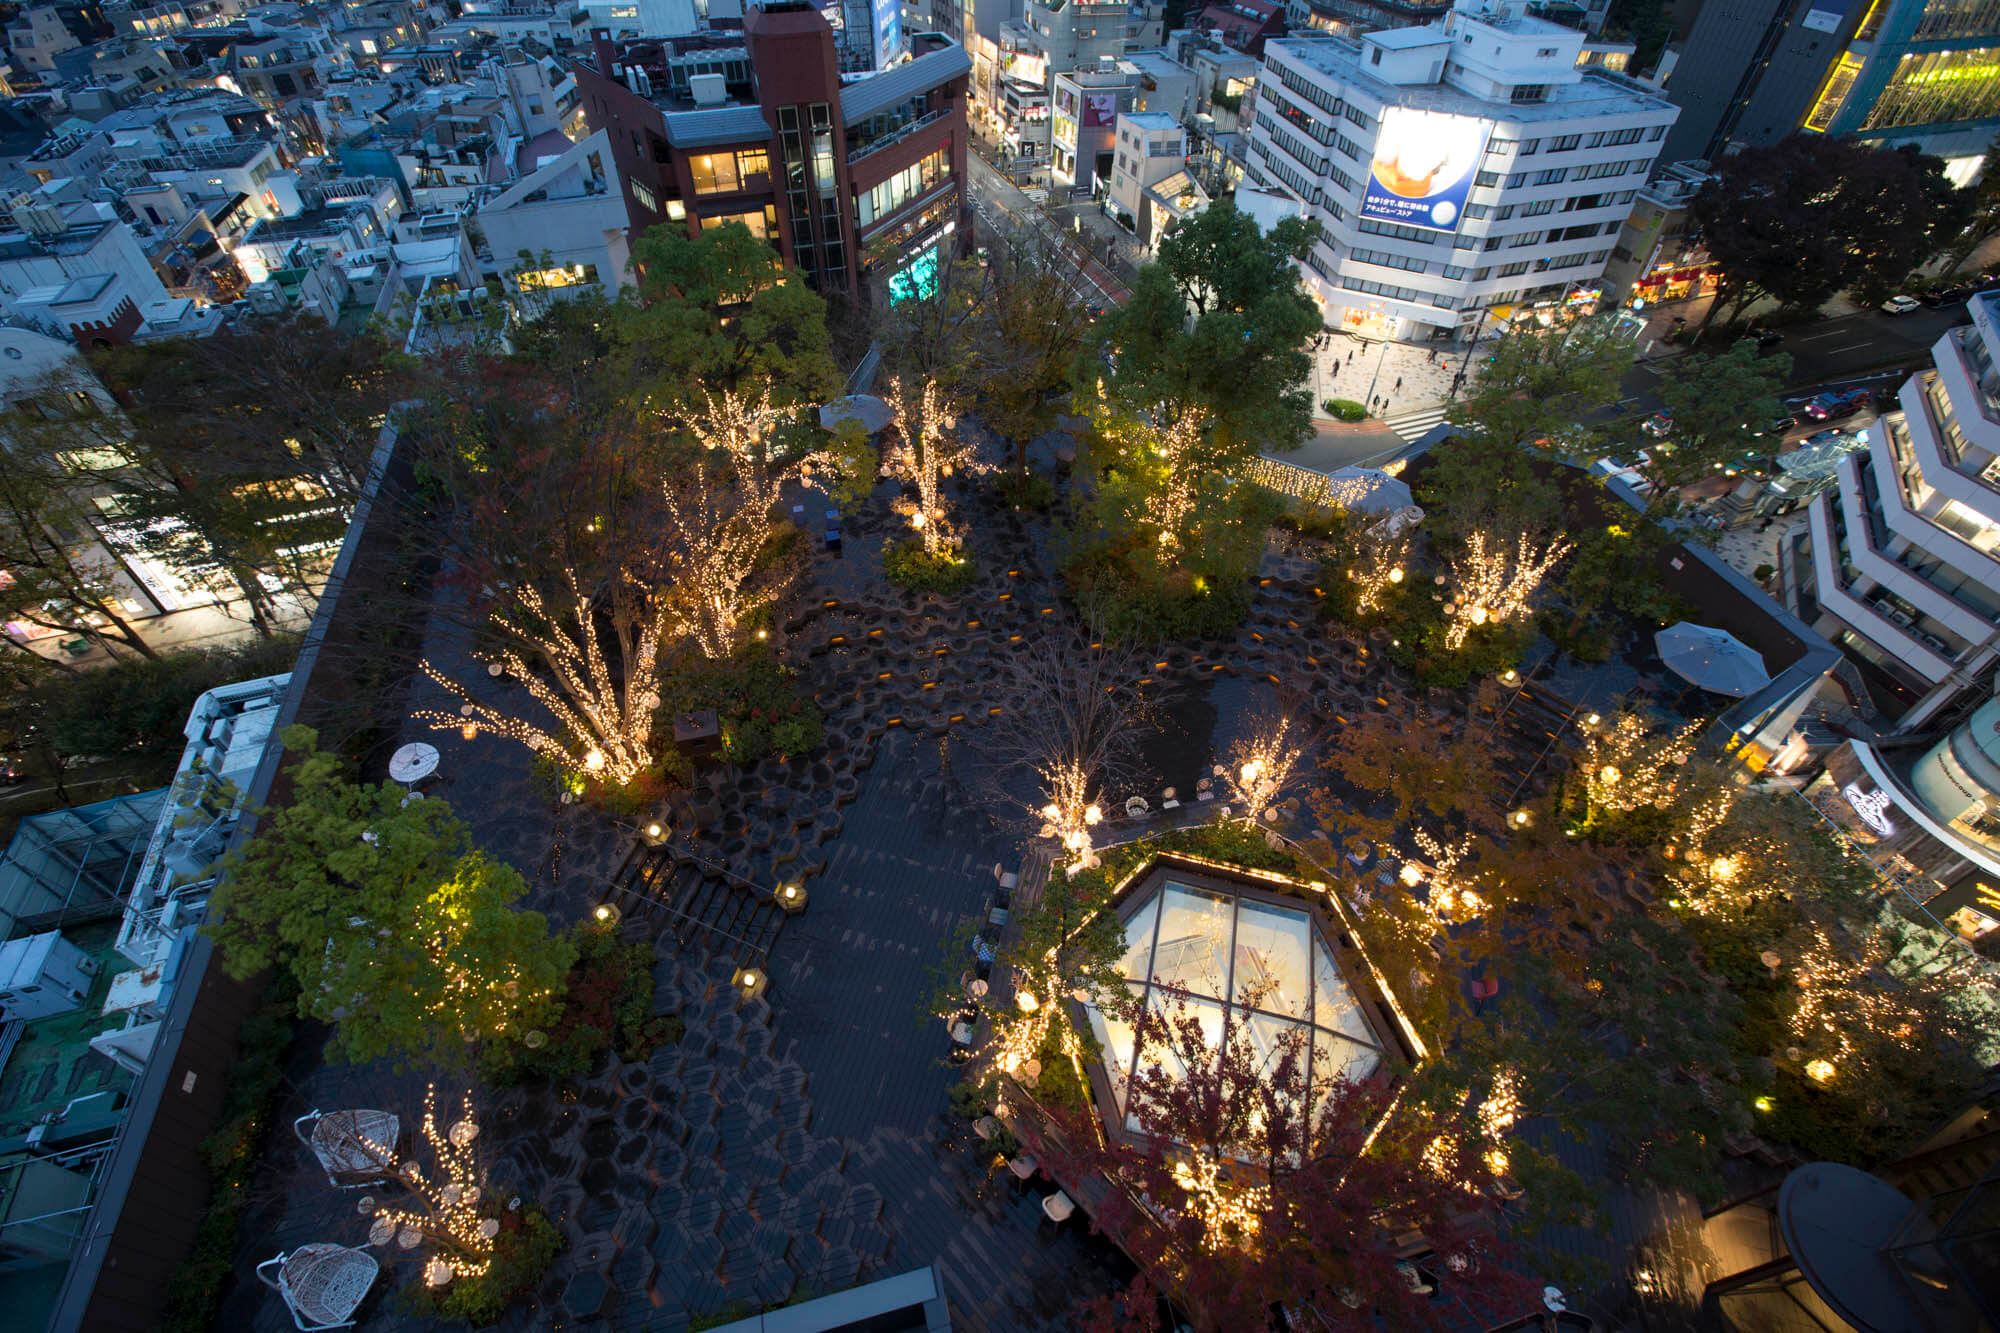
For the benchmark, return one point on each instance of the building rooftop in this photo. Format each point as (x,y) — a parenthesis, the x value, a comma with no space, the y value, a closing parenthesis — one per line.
(1596,93)
(226,731)
(1409,39)
(1151,121)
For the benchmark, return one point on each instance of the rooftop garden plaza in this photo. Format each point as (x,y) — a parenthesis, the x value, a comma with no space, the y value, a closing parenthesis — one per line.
(741,841)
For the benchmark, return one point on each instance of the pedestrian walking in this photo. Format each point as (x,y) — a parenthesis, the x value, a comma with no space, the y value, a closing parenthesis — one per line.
(1350,354)
(1334,373)
(1399,384)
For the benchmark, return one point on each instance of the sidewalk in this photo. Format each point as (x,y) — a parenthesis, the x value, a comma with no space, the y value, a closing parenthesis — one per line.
(1404,376)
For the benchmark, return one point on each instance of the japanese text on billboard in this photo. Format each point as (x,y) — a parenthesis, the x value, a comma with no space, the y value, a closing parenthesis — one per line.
(1424,167)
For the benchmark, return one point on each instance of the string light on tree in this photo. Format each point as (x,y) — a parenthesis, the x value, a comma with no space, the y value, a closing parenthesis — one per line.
(1171,505)
(1452,898)
(442,1207)
(1379,567)
(1492,587)
(737,425)
(718,532)
(1262,764)
(602,723)
(930,453)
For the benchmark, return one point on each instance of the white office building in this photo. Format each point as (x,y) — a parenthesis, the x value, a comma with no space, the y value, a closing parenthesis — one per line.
(1461,172)
(1899,563)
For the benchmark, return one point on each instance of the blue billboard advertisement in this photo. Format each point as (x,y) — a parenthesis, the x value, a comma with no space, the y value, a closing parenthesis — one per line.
(1425,162)
(888,34)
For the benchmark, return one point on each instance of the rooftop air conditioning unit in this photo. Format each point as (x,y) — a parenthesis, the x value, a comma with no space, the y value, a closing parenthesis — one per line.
(707,89)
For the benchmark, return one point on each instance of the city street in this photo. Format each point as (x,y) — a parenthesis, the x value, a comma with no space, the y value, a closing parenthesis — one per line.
(1008,216)
(1852,347)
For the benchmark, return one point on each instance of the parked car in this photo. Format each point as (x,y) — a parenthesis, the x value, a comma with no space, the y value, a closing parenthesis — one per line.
(1777,426)
(1944,295)
(1822,437)
(1659,424)
(1766,338)
(11,772)
(1901,305)
(1835,406)
(1986,282)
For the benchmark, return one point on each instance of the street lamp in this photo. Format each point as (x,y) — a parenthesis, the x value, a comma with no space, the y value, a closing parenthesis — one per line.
(1465,366)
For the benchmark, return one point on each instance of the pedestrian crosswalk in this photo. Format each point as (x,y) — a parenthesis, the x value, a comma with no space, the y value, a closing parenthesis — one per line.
(1412,425)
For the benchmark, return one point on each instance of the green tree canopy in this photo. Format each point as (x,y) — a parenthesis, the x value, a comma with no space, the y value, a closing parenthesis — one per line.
(1219,323)
(1719,404)
(400,933)
(719,310)
(1540,383)
(1810,215)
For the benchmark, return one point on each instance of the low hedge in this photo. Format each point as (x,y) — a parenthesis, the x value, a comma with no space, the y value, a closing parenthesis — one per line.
(1345,409)
(609,1003)
(908,565)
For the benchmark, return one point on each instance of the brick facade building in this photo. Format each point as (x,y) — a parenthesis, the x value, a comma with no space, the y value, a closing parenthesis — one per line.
(858,184)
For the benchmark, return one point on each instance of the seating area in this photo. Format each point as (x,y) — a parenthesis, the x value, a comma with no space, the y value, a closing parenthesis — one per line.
(322,1285)
(355,1148)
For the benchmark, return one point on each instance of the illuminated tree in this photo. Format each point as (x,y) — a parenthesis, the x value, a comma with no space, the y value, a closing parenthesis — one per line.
(446,1208)
(1175,495)
(717,531)
(1380,566)
(740,427)
(1263,764)
(1071,729)
(556,564)
(1627,770)
(929,454)
(401,934)
(602,718)
(1489,588)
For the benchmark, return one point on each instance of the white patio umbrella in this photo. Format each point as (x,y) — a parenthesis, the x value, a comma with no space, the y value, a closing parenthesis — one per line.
(1712,659)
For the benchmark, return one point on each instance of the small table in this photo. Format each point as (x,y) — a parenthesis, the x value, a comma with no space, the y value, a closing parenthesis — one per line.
(413,762)
(1023,1167)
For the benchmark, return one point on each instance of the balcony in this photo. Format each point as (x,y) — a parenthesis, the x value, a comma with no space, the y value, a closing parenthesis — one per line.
(1861,514)
(1835,596)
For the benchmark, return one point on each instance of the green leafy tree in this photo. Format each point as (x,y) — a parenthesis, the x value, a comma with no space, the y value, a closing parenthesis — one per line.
(719,311)
(243,453)
(59,576)
(1037,330)
(400,933)
(1469,484)
(1219,323)
(1539,383)
(1983,199)
(1718,405)
(1798,220)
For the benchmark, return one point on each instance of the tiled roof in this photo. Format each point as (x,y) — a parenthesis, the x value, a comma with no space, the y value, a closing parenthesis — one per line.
(716,125)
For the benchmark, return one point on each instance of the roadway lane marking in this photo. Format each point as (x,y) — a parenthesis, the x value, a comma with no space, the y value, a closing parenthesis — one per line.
(1849,348)
(1817,336)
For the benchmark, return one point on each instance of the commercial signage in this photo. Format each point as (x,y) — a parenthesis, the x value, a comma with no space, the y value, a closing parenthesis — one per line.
(917,280)
(1425,162)
(1099,109)
(1026,67)
(888,36)
(1871,806)
(1824,15)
